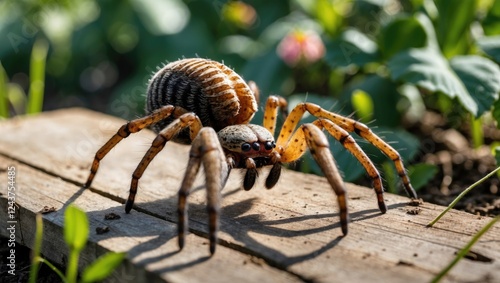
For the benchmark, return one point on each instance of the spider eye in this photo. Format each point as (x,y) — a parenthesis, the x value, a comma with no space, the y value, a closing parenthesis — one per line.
(269,145)
(256,146)
(246,147)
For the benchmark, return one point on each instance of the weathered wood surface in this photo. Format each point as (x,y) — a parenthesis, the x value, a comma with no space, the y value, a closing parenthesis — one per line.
(290,233)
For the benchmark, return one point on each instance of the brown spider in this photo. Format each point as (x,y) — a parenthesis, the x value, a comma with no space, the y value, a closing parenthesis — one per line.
(206,104)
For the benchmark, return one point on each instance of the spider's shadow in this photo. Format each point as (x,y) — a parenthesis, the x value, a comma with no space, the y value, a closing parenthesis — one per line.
(234,221)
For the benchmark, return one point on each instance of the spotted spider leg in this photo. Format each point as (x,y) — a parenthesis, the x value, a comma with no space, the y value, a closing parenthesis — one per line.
(348,142)
(348,125)
(320,150)
(293,148)
(206,150)
(130,127)
(311,136)
(271,112)
(185,120)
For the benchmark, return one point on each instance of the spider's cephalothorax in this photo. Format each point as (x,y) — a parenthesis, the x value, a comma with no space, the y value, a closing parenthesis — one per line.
(206,104)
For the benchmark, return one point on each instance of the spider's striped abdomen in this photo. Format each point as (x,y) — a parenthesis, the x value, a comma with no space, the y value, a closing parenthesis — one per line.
(217,94)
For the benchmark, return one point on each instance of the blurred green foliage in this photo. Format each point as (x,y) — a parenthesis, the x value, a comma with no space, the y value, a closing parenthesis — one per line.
(403,56)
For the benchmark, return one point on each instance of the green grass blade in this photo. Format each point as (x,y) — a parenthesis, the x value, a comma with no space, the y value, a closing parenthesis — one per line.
(37,76)
(465,250)
(459,197)
(4,101)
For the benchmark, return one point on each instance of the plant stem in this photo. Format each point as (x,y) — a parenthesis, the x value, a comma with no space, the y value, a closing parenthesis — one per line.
(459,197)
(476,127)
(466,249)
(72,269)
(37,245)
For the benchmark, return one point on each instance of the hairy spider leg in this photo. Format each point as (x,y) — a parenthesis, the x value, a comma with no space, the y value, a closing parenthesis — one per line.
(348,142)
(185,120)
(311,136)
(274,103)
(206,150)
(349,125)
(130,127)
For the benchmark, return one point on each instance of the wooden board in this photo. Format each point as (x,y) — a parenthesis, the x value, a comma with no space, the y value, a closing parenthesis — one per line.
(290,233)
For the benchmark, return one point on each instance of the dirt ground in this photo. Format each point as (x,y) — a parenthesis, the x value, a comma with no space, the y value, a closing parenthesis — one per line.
(459,166)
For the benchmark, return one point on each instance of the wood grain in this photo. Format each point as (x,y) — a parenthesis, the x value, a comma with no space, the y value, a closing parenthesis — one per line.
(290,233)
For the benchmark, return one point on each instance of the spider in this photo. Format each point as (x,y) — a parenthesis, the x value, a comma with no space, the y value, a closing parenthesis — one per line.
(206,104)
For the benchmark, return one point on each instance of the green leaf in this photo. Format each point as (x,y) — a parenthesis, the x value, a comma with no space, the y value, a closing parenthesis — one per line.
(491,23)
(413,105)
(428,26)
(363,105)
(401,34)
(76,228)
(481,77)
(385,96)
(352,48)
(453,25)
(101,268)
(428,69)
(420,174)
(491,46)
(328,16)
(416,4)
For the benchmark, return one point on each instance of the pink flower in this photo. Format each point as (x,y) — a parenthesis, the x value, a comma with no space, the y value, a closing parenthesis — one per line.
(301,48)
